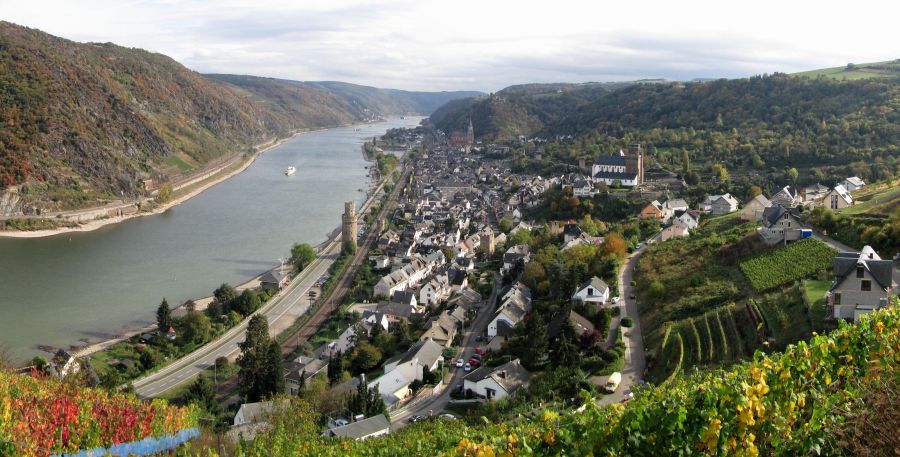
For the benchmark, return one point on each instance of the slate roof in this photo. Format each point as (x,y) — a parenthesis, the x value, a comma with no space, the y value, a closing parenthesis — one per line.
(614,175)
(361,428)
(510,376)
(772,214)
(617,160)
(427,351)
(598,284)
(845,265)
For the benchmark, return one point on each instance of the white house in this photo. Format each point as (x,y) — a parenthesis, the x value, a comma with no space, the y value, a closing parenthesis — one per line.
(497,382)
(719,205)
(514,255)
(677,229)
(401,371)
(514,305)
(595,291)
(853,184)
(863,283)
(838,198)
(435,290)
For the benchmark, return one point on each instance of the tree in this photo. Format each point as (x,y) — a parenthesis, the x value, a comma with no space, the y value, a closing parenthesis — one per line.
(195,328)
(163,317)
(165,193)
(149,358)
(366,401)
(520,237)
(224,297)
(202,393)
(448,253)
(565,353)
(754,191)
(349,247)
(685,163)
(302,254)
(335,368)
(260,372)
(506,225)
(533,274)
(614,245)
(792,174)
(365,357)
(247,302)
(721,172)
(538,340)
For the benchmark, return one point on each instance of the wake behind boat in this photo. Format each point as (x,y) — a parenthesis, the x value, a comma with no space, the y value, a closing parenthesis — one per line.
(290,170)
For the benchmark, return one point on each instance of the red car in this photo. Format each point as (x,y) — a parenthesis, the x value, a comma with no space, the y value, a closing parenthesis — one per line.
(475,363)
(479,351)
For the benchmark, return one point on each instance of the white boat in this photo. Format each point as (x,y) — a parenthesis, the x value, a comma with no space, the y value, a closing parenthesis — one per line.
(290,170)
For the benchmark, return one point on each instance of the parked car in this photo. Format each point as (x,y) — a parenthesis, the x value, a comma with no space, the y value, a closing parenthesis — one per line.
(459,363)
(468,367)
(477,357)
(475,362)
(341,422)
(615,300)
(478,338)
(448,416)
(631,296)
(414,419)
(479,351)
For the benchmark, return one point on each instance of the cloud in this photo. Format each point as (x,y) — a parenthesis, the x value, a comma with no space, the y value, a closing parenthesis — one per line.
(477,44)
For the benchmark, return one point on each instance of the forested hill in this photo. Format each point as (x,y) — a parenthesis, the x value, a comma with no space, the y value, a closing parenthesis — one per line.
(82,123)
(776,120)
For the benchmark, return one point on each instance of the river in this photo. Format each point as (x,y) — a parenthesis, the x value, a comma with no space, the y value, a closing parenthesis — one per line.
(65,289)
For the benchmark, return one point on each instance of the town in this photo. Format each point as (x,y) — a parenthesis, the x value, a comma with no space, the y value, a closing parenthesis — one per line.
(454,297)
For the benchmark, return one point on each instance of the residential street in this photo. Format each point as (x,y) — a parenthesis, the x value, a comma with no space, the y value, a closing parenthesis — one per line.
(634,342)
(428,406)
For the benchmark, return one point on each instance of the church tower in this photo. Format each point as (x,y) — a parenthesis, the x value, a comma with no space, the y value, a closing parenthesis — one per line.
(470,133)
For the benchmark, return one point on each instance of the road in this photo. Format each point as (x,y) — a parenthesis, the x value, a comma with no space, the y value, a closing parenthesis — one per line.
(433,405)
(292,301)
(281,311)
(634,341)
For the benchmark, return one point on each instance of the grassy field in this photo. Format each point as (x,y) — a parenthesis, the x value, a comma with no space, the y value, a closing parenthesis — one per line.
(877,200)
(858,71)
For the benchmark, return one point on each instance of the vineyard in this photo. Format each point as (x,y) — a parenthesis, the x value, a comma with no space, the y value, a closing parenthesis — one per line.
(788,264)
(40,417)
(795,403)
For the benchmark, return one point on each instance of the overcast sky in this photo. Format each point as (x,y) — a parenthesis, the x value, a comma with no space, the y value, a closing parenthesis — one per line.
(484,44)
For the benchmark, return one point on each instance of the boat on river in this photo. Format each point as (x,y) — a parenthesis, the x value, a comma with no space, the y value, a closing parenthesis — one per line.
(290,170)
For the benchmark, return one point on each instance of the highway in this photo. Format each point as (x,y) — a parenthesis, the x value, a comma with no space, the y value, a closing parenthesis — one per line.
(281,311)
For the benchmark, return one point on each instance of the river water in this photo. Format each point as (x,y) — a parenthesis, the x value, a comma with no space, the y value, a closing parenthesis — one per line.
(62,289)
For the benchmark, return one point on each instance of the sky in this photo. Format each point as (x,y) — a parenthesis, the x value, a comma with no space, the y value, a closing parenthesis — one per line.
(485,44)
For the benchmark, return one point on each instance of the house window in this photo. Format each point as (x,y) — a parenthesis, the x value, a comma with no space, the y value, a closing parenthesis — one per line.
(865,285)
(860,271)
(590,291)
(837,298)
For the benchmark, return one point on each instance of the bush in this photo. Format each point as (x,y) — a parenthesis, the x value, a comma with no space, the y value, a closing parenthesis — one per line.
(627,321)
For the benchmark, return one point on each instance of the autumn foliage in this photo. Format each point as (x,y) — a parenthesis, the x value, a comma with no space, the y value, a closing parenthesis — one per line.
(44,416)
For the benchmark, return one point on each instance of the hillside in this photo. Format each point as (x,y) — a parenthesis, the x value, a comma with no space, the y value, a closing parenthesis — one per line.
(759,125)
(82,123)
(519,110)
(830,396)
(856,71)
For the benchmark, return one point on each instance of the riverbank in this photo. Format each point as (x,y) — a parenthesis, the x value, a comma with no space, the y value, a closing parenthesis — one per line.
(182,193)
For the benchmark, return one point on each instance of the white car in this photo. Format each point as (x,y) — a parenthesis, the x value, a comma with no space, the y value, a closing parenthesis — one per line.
(459,363)
(468,367)
(615,300)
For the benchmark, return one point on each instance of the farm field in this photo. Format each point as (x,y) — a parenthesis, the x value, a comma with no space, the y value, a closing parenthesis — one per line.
(788,264)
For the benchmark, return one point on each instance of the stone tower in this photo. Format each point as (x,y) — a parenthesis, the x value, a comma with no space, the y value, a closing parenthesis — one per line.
(348,223)
(487,242)
(634,162)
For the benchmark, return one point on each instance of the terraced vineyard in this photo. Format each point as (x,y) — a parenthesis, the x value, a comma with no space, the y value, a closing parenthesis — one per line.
(788,264)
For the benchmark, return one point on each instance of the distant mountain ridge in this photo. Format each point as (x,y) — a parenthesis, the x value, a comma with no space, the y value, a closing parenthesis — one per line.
(82,123)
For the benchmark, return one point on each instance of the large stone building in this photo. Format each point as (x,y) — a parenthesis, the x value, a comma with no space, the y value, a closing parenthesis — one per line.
(620,169)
